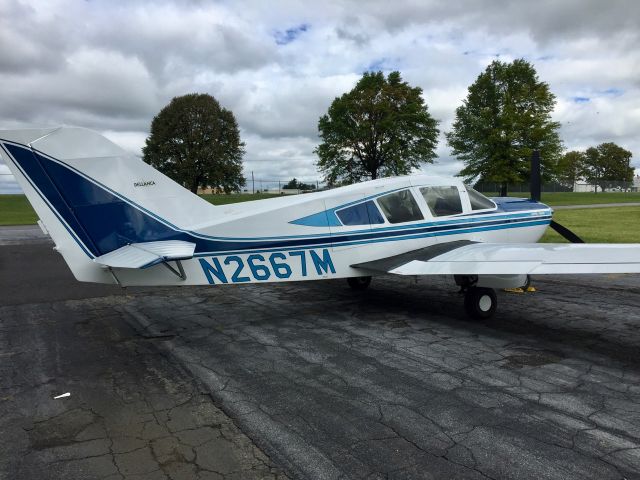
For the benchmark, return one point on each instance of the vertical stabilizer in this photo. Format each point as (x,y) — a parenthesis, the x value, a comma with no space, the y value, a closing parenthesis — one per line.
(93,197)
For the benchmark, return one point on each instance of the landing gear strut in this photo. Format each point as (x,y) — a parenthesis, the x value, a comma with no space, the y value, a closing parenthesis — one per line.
(359,283)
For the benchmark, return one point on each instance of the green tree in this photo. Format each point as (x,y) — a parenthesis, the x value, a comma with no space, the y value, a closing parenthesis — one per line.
(291,185)
(294,184)
(381,127)
(505,116)
(607,163)
(570,167)
(197,143)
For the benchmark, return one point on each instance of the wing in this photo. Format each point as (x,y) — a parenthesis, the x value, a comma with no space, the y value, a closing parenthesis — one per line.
(468,258)
(147,254)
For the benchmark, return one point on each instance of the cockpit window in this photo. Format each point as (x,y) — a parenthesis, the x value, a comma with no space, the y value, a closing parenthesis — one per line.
(362,214)
(400,207)
(442,201)
(479,201)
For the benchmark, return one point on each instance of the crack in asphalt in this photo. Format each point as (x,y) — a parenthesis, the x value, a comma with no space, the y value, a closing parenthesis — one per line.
(137,430)
(254,334)
(323,383)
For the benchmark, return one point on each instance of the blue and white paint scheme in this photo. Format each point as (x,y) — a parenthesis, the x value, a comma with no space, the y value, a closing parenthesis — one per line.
(116,219)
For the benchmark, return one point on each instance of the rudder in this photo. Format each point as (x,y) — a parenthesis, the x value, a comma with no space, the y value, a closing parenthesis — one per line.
(93,197)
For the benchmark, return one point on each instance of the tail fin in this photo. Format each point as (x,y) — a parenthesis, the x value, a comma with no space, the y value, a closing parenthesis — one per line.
(93,197)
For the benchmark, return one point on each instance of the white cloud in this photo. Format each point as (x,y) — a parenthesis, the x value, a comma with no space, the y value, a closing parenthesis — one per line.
(111,66)
(274,159)
(132,142)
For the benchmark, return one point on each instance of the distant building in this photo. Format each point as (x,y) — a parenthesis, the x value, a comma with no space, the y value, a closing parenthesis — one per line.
(581,185)
(209,191)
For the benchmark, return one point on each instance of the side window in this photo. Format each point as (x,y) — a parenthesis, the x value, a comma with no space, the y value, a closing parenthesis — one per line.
(362,214)
(479,201)
(442,201)
(400,207)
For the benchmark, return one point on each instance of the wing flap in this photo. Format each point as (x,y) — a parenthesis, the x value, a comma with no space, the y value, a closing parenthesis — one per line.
(513,259)
(147,254)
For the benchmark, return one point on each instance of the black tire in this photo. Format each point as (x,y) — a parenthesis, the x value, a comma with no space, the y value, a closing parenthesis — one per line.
(359,283)
(480,303)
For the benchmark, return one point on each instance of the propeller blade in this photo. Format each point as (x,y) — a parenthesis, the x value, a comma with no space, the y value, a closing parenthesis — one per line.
(536,189)
(565,232)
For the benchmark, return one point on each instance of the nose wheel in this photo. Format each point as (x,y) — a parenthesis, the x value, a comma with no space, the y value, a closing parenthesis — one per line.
(480,303)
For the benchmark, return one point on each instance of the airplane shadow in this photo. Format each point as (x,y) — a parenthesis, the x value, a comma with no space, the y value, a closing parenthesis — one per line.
(531,317)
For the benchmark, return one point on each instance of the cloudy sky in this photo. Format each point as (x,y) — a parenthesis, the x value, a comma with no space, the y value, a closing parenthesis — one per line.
(112,65)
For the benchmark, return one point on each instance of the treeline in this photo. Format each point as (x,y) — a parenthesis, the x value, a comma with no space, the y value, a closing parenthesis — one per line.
(599,166)
(383,127)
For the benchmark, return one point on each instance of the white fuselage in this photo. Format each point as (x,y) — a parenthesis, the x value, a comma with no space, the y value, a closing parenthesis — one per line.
(94,198)
(256,242)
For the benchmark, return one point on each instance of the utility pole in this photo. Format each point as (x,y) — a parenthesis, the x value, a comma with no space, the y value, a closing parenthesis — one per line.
(253,184)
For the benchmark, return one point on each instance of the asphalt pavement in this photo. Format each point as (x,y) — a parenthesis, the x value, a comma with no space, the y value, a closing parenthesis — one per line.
(86,394)
(313,381)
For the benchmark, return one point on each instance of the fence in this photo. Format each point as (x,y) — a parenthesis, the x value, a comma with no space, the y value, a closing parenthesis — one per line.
(548,187)
(608,186)
(261,185)
(274,186)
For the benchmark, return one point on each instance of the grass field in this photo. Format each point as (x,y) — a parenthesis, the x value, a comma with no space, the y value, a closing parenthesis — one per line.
(613,224)
(15,210)
(580,198)
(599,225)
(236,197)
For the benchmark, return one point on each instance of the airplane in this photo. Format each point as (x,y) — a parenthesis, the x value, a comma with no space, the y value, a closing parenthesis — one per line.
(117,220)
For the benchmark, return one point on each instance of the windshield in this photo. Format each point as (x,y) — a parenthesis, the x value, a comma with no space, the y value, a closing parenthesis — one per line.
(478,200)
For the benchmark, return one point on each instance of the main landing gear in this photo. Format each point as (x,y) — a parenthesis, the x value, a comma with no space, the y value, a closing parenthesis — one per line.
(359,283)
(480,303)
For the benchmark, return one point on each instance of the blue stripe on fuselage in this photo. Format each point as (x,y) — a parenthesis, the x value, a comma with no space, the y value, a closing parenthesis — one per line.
(104,220)
(407,236)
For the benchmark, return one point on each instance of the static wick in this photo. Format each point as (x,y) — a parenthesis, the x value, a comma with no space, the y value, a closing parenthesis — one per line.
(68,394)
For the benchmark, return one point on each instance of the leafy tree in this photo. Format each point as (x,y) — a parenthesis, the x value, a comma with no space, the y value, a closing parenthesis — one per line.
(505,116)
(570,167)
(291,185)
(294,184)
(381,127)
(197,143)
(606,163)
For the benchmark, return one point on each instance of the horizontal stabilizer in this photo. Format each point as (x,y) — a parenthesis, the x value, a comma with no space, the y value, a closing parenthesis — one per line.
(147,254)
(460,258)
